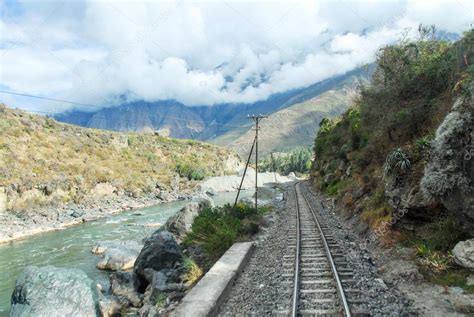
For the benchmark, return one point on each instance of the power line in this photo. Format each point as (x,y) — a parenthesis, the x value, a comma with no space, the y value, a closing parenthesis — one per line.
(98,107)
(46,98)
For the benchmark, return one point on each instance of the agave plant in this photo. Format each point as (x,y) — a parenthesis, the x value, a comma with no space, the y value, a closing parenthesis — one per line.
(398,160)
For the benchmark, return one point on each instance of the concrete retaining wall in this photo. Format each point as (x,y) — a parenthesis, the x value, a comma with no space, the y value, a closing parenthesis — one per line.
(204,298)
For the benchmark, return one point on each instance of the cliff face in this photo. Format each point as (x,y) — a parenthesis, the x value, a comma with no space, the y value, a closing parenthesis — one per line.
(447,180)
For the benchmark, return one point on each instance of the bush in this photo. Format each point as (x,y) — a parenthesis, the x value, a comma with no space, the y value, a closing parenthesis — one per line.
(191,172)
(216,229)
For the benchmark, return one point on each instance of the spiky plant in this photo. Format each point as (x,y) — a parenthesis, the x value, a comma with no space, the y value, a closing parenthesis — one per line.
(397,160)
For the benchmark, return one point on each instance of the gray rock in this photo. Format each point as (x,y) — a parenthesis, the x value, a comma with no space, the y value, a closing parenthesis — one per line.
(448,176)
(110,306)
(115,259)
(50,291)
(165,196)
(463,254)
(161,251)
(77,213)
(122,285)
(470,280)
(180,223)
(401,270)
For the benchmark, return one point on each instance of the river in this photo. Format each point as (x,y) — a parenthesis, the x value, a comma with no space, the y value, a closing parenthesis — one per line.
(71,247)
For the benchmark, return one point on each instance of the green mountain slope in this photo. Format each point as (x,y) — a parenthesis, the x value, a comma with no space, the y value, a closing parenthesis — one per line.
(295,125)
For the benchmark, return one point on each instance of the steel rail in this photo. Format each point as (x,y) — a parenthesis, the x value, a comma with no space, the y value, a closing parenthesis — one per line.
(340,289)
(296,286)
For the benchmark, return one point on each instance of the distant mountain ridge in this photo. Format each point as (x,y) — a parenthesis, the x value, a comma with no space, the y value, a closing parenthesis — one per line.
(297,124)
(198,122)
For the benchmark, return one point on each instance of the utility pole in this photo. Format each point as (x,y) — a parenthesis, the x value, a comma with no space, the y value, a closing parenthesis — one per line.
(256,119)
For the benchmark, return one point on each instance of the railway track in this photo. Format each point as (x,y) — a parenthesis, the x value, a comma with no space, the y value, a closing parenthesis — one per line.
(315,269)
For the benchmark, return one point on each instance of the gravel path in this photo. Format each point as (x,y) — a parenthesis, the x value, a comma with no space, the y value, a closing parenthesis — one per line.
(259,289)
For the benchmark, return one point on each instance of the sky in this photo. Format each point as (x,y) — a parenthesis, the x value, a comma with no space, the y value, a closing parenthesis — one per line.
(103,53)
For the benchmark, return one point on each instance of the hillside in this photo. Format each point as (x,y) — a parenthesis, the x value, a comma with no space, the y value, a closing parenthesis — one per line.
(295,125)
(43,162)
(399,160)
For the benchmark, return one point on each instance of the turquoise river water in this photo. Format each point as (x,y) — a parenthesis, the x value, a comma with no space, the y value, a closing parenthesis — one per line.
(71,247)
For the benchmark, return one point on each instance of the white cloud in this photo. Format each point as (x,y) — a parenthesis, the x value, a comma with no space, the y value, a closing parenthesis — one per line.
(98,51)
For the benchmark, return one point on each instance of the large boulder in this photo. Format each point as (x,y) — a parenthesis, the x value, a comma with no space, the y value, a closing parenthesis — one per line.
(50,291)
(180,223)
(161,251)
(463,254)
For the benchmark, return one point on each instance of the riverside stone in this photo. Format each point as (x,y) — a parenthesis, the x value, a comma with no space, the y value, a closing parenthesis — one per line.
(115,259)
(180,223)
(122,285)
(50,291)
(161,251)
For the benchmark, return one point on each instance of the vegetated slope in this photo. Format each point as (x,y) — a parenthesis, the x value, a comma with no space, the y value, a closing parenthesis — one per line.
(400,157)
(197,122)
(295,125)
(45,162)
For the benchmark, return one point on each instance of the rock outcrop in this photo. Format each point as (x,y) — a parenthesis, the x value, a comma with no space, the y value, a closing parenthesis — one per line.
(161,251)
(50,291)
(449,174)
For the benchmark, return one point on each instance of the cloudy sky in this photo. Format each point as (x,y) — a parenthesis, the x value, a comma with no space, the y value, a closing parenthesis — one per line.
(102,52)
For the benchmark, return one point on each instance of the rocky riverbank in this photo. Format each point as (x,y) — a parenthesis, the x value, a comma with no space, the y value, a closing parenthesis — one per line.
(17,225)
(44,219)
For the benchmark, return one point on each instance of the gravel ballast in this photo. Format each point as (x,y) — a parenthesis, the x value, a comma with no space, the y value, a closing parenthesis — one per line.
(260,289)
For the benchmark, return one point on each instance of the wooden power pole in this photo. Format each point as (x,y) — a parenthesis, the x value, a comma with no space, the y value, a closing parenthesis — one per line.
(256,119)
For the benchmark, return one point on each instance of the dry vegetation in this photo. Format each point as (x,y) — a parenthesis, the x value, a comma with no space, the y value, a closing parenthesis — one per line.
(46,162)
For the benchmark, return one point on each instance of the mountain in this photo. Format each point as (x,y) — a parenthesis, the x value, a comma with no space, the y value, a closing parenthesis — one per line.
(223,122)
(297,124)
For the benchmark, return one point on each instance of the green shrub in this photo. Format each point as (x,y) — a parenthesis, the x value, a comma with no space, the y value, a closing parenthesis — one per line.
(190,171)
(216,229)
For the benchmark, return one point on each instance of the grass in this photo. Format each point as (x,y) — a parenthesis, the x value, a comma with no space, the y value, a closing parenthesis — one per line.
(216,229)
(192,272)
(39,152)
